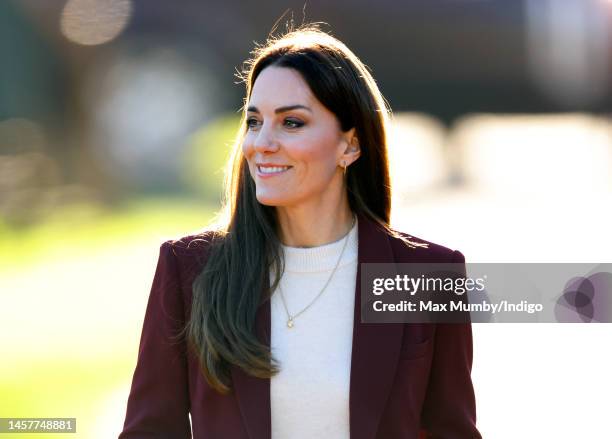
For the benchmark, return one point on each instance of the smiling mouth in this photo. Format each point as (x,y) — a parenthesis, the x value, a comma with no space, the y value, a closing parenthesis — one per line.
(272,170)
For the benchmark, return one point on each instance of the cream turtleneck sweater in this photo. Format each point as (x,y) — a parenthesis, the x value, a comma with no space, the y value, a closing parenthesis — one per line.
(310,396)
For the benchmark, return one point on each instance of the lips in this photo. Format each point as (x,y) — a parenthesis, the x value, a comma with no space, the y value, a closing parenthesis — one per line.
(271,170)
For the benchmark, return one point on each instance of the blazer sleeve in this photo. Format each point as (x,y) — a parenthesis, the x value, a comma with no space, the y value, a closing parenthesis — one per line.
(449,409)
(158,403)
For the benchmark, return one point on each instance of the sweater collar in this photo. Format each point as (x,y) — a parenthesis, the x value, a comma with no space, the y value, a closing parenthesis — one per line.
(323,257)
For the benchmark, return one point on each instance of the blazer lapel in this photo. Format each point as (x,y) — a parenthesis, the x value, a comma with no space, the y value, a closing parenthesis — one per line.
(376,346)
(375,353)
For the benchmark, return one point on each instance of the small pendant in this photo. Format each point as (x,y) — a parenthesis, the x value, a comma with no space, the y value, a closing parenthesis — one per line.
(290,323)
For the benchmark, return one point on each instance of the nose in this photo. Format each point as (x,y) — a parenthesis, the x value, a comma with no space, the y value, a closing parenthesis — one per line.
(264,141)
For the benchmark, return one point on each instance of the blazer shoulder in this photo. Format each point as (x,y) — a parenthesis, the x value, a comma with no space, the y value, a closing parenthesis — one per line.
(193,242)
(409,248)
(191,251)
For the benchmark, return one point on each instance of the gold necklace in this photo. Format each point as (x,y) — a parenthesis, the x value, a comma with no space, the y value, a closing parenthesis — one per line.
(291,318)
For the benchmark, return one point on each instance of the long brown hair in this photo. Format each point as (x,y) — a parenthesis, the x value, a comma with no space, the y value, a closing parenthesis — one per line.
(244,244)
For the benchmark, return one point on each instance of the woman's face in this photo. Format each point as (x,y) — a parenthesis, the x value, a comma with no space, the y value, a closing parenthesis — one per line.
(289,128)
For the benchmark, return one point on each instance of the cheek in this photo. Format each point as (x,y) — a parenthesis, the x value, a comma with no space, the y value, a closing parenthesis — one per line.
(248,152)
(319,153)
(323,163)
(247,148)
(317,170)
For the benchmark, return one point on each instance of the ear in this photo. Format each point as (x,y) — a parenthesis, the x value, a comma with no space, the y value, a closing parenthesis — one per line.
(352,149)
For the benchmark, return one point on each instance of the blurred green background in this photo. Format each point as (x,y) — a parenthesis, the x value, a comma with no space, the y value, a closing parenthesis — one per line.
(58,359)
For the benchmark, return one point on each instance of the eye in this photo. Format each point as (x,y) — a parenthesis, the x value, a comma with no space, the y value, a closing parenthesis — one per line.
(294,123)
(250,121)
(290,123)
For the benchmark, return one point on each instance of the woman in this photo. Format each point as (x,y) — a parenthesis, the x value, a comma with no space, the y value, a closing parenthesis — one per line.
(253,327)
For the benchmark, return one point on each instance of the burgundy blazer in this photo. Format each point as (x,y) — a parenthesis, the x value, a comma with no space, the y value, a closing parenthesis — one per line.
(408,381)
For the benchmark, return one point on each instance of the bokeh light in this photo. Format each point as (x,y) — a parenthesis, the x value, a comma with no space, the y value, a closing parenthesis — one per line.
(551,156)
(418,156)
(93,22)
(143,109)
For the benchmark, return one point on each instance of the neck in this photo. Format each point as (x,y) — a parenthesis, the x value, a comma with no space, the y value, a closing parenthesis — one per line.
(312,228)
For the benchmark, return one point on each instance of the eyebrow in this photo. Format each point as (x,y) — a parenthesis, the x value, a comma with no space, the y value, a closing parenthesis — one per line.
(281,109)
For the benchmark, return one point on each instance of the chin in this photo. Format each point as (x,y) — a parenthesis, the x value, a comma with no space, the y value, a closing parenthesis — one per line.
(270,201)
